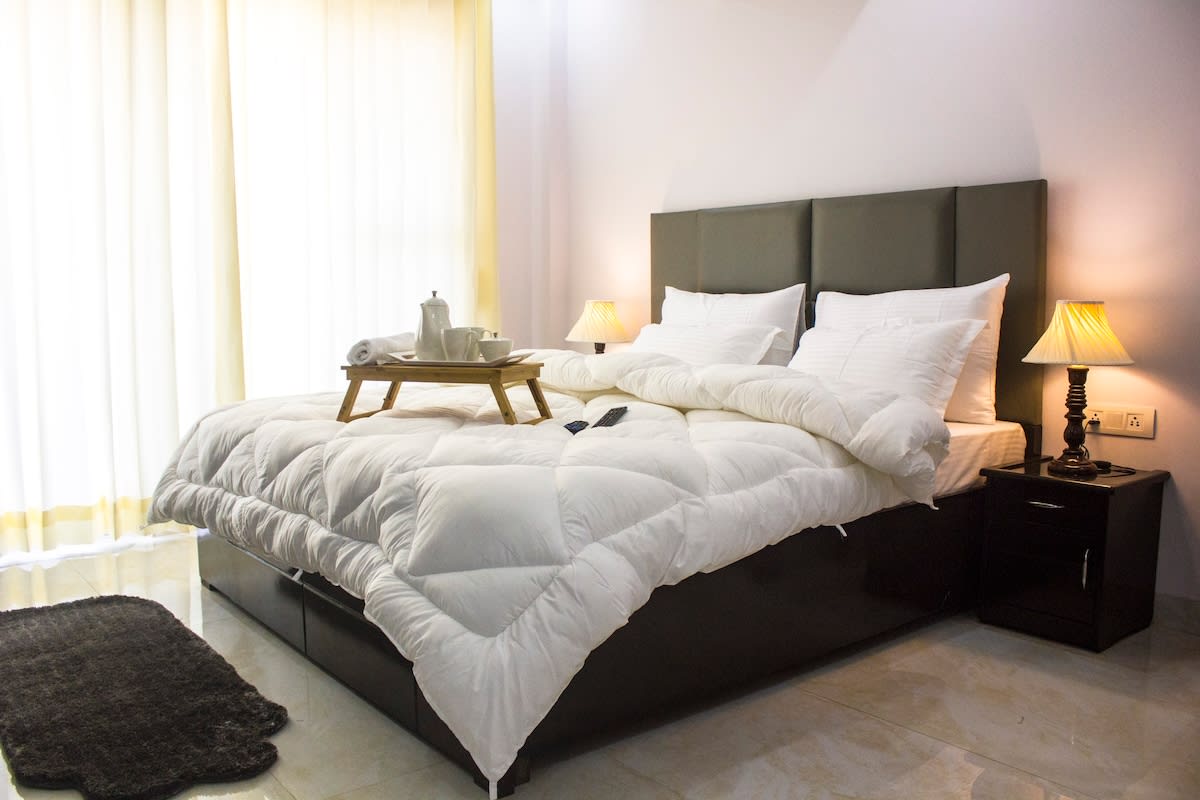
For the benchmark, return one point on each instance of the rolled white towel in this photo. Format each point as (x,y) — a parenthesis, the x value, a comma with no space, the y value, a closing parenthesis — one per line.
(375,351)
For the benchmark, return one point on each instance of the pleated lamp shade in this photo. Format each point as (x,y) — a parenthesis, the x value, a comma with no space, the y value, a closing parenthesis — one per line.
(598,324)
(1079,333)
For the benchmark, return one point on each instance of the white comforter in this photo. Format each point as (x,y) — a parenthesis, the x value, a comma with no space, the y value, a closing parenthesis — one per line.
(497,557)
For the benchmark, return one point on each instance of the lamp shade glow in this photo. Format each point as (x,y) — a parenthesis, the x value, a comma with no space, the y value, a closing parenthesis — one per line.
(1079,333)
(598,324)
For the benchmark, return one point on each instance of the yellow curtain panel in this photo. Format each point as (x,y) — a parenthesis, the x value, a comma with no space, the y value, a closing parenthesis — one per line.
(473,27)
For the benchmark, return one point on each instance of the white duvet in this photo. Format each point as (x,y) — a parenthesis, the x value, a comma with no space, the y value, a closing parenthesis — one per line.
(497,557)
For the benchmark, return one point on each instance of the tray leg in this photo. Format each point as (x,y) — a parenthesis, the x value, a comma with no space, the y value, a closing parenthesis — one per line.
(347,408)
(389,399)
(539,399)
(506,409)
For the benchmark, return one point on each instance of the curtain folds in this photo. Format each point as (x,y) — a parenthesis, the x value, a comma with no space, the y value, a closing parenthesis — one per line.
(356,156)
(201,202)
(474,23)
(106,233)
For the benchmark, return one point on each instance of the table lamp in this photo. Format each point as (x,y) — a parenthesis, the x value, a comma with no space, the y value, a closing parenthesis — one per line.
(598,324)
(1079,336)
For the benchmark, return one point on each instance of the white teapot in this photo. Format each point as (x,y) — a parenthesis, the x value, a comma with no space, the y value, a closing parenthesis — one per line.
(435,318)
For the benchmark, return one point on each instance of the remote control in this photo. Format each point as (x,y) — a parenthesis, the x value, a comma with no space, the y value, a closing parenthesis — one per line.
(576,426)
(611,416)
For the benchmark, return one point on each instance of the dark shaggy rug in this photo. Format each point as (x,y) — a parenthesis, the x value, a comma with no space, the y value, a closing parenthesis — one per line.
(116,698)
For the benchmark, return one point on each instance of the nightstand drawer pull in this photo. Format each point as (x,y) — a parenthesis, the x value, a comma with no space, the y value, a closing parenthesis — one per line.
(1086,553)
(1045,505)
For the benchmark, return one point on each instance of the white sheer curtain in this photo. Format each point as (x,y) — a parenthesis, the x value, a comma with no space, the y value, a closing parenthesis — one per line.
(201,201)
(355,200)
(109,224)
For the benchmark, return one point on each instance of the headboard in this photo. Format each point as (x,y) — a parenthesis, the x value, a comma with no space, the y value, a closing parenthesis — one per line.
(952,236)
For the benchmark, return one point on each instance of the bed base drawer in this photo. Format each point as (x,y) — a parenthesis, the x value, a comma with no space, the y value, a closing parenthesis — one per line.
(347,646)
(268,592)
(327,625)
(343,642)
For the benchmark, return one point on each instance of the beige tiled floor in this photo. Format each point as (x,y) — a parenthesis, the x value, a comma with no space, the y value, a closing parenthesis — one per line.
(956,710)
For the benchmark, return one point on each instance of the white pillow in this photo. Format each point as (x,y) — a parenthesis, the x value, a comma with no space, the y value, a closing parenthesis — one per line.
(707,344)
(783,308)
(974,398)
(921,359)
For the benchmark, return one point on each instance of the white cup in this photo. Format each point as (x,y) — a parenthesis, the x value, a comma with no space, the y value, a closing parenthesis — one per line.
(491,349)
(473,350)
(460,343)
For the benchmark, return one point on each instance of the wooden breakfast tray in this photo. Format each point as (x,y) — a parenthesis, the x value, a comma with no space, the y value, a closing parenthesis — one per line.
(410,359)
(498,374)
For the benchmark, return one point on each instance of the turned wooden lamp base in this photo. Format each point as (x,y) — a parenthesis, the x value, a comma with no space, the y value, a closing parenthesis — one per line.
(1072,466)
(1074,463)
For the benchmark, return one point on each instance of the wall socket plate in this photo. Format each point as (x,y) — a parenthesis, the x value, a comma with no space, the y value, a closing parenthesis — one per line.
(1117,419)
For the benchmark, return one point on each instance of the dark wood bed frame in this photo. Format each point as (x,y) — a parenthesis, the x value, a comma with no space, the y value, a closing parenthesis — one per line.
(788,605)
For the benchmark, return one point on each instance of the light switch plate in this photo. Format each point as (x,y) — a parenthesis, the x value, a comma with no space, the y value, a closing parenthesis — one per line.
(1118,419)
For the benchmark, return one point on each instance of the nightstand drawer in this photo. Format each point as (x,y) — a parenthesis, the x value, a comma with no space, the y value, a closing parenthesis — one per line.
(1058,505)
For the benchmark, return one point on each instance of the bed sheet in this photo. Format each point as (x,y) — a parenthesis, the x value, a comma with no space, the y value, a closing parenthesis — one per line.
(974,446)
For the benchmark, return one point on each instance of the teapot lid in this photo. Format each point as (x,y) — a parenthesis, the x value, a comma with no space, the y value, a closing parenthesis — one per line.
(435,301)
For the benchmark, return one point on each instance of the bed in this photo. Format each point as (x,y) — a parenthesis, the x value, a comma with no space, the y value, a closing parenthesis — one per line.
(803,598)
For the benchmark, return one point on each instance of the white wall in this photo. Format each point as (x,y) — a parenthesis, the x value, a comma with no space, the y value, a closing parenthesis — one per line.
(531,170)
(674,104)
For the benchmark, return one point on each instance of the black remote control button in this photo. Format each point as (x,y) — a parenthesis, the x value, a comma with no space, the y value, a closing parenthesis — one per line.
(611,416)
(576,426)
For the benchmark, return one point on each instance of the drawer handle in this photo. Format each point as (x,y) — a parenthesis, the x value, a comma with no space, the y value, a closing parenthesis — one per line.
(1086,553)
(1045,505)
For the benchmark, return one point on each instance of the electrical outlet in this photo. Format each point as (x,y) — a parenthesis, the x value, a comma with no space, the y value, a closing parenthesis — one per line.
(1120,420)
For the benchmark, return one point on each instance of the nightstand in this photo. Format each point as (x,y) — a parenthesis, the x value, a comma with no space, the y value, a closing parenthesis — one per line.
(1070,560)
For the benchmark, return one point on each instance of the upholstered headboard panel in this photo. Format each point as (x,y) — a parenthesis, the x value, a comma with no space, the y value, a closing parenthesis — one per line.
(951,236)
(741,249)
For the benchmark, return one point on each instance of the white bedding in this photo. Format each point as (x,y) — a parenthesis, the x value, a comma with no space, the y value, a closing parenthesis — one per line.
(497,557)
